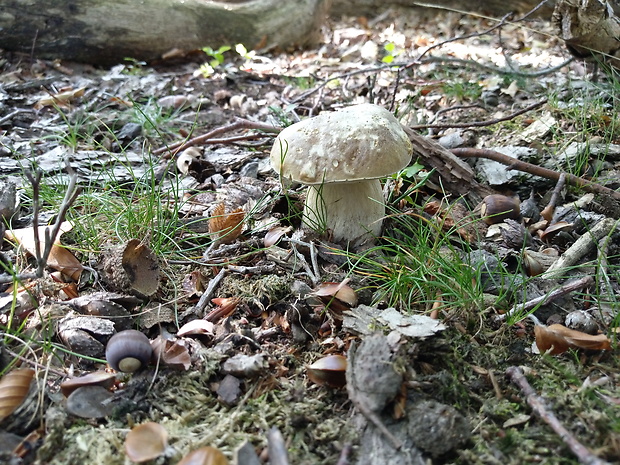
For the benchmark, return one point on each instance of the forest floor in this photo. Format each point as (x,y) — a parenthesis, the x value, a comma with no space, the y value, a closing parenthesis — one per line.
(436,360)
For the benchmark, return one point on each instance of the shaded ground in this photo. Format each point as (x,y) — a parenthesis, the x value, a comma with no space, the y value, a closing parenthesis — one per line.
(116,131)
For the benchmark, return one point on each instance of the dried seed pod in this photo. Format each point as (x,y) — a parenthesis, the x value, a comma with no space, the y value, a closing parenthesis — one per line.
(495,208)
(128,351)
(329,371)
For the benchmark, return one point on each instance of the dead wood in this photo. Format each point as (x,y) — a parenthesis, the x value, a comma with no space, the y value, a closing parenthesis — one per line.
(514,164)
(539,407)
(590,28)
(109,31)
(454,175)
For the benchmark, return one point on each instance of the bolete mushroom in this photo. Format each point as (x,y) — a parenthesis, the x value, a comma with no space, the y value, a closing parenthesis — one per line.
(341,155)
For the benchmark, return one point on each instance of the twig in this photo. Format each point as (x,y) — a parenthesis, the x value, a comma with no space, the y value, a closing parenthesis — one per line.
(545,299)
(204,298)
(344,455)
(538,406)
(547,212)
(276,447)
(515,164)
(239,123)
(479,124)
(41,257)
(581,247)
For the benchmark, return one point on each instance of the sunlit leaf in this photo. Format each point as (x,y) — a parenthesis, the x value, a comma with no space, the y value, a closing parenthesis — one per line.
(14,387)
(146,442)
(557,339)
(204,456)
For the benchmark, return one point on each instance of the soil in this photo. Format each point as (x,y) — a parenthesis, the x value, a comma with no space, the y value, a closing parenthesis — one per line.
(446,397)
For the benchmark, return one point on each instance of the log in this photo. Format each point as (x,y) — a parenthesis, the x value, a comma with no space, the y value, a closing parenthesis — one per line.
(105,32)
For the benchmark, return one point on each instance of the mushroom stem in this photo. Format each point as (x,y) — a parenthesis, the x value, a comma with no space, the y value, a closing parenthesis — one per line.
(351,211)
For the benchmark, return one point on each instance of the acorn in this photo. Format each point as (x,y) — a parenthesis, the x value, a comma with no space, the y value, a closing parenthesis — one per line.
(495,208)
(128,351)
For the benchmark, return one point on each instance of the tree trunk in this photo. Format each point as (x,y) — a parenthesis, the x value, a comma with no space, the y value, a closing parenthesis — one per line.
(108,31)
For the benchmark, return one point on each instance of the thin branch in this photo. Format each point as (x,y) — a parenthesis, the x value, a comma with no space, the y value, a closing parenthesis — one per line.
(551,296)
(515,164)
(478,124)
(240,123)
(539,408)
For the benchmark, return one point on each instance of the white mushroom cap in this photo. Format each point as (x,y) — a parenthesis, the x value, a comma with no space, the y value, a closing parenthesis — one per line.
(341,155)
(359,142)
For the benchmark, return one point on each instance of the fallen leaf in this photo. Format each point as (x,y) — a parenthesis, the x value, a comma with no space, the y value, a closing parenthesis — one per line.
(14,388)
(225,307)
(197,327)
(337,293)
(204,456)
(146,442)
(226,227)
(97,378)
(60,258)
(557,339)
(171,353)
(329,371)
(141,267)
(61,99)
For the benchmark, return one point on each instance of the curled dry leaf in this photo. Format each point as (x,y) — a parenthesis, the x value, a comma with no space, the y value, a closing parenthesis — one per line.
(14,387)
(171,353)
(146,442)
(553,229)
(141,267)
(557,339)
(225,307)
(197,328)
(204,456)
(60,259)
(97,378)
(61,99)
(344,293)
(329,371)
(226,227)
(192,283)
(275,234)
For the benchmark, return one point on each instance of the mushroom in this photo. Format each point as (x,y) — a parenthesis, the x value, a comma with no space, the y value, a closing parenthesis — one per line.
(128,351)
(341,156)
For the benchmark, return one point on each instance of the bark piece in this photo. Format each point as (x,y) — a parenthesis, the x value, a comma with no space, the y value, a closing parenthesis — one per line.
(108,31)
(590,28)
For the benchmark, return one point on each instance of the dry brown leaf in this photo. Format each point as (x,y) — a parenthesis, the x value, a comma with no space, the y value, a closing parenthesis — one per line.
(146,442)
(204,456)
(225,307)
(226,227)
(61,99)
(197,327)
(337,293)
(557,339)
(97,378)
(60,259)
(171,353)
(141,267)
(329,371)
(14,387)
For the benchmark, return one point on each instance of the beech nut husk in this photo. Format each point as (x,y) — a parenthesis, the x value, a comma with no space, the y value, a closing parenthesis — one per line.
(495,208)
(128,351)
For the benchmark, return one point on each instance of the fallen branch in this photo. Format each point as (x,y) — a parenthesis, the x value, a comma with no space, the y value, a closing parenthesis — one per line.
(41,257)
(538,406)
(581,247)
(545,299)
(478,124)
(239,123)
(515,164)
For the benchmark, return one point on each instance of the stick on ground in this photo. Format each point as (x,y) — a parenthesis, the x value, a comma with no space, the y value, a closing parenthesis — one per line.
(538,406)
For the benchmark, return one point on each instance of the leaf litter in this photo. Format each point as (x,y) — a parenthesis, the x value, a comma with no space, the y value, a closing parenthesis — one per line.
(449,368)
